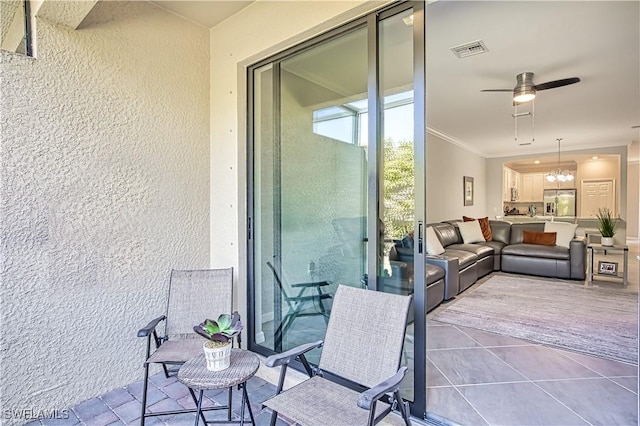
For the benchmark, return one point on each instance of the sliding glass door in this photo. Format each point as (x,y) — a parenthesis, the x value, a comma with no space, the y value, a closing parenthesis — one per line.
(336,175)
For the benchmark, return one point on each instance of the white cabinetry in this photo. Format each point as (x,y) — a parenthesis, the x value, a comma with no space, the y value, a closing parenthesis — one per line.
(532,187)
(510,179)
(506,182)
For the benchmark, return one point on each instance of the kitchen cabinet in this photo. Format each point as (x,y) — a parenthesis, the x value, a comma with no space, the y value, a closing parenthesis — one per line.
(532,187)
(510,179)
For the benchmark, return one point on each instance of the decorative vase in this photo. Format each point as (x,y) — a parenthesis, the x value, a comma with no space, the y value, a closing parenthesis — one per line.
(607,241)
(217,354)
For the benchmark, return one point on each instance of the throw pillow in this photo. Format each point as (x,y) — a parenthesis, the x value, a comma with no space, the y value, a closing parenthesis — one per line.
(541,238)
(434,246)
(471,232)
(484,226)
(565,232)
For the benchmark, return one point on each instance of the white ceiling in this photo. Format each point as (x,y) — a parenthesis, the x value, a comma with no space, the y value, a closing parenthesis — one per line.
(204,12)
(597,41)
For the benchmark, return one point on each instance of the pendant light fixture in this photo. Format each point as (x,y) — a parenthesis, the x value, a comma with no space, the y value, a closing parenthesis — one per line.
(559,175)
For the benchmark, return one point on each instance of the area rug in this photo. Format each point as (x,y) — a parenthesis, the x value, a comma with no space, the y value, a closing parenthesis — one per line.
(594,321)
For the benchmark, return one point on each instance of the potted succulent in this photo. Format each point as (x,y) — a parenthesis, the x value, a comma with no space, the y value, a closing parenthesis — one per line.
(217,351)
(607,224)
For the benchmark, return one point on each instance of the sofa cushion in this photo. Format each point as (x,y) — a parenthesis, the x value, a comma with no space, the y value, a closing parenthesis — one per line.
(481,250)
(565,231)
(536,251)
(495,245)
(465,258)
(434,247)
(434,273)
(500,231)
(542,238)
(484,226)
(471,232)
(447,234)
(517,230)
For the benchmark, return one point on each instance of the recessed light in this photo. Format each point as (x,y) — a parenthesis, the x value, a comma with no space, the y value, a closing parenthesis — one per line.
(536,162)
(595,157)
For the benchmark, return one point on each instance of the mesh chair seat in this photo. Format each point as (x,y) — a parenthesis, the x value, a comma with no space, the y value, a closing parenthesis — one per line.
(320,402)
(177,351)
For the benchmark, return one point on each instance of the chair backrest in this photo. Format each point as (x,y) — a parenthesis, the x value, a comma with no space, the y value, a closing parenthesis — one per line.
(196,295)
(365,335)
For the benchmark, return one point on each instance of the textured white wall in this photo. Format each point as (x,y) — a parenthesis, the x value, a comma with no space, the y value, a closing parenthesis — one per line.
(105,187)
(447,164)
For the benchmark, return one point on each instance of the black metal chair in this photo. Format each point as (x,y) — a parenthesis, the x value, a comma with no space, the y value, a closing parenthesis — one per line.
(308,302)
(193,296)
(363,347)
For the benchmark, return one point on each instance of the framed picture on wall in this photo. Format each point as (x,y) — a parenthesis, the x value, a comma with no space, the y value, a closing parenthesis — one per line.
(468,191)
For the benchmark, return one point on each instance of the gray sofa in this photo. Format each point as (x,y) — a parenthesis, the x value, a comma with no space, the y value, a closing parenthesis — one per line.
(546,261)
(463,264)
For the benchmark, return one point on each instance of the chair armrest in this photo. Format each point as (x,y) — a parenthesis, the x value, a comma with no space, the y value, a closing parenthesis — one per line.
(291,354)
(578,258)
(314,284)
(392,384)
(149,328)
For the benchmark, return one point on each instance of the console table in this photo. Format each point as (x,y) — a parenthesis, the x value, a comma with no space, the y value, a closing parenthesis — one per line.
(194,375)
(615,275)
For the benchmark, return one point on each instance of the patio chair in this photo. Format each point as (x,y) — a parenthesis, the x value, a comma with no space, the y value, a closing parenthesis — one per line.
(193,296)
(362,347)
(310,295)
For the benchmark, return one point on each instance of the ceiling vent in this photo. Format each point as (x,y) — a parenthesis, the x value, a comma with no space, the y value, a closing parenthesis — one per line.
(469,49)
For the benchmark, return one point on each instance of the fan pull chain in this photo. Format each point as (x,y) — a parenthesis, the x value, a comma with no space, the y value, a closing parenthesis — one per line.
(533,120)
(515,121)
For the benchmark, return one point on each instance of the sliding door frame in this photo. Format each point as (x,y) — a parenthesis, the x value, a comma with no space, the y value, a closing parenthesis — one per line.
(374,175)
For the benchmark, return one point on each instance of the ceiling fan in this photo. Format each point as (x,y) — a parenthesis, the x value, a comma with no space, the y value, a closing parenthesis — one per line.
(525,90)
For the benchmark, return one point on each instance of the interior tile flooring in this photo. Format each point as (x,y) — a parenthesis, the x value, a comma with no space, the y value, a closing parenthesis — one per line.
(473,378)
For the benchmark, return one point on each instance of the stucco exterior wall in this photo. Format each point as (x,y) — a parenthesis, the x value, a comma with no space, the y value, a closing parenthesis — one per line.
(105,188)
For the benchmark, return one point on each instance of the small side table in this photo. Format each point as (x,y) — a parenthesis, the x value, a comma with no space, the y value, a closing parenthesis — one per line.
(194,375)
(593,248)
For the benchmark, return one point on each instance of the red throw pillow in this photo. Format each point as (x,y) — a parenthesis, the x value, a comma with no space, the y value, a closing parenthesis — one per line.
(541,238)
(484,226)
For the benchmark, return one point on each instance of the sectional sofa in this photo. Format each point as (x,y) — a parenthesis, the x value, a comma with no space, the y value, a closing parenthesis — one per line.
(510,249)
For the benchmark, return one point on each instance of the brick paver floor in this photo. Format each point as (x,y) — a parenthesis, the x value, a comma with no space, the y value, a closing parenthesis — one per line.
(123,406)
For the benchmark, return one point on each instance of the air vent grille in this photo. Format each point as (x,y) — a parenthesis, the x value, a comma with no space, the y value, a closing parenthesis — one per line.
(469,49)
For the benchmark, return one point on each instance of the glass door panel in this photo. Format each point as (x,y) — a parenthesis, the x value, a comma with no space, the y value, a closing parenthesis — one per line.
(397,189)
(311,177)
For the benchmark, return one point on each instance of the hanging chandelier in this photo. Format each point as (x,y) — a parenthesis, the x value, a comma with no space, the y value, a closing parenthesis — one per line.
(559,175)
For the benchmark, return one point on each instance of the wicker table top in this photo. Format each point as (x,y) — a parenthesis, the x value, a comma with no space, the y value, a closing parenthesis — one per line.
(194,373)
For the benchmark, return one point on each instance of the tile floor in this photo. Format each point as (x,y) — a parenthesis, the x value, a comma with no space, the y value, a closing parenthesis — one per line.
(480,378)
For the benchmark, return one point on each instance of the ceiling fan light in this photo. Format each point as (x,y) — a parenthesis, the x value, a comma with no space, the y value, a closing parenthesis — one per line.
(524,95)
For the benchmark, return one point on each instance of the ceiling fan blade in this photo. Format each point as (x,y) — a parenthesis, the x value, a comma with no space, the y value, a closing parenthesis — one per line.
(557,83)
(497,90)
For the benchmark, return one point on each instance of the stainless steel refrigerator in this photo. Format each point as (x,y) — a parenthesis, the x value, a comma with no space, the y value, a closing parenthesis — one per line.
(560,202)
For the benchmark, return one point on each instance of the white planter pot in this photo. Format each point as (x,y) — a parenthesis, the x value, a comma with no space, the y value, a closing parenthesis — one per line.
(606,241)
(218,358)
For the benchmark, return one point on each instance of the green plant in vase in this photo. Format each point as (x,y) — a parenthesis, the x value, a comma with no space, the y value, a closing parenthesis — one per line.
(607,224)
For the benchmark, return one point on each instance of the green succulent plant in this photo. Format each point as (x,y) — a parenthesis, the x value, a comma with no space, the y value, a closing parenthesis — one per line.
(225,328)
(607,222)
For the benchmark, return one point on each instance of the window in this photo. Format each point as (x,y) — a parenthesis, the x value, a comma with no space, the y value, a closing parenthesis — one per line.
(348,122)
(15,26)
